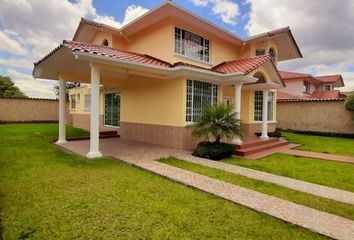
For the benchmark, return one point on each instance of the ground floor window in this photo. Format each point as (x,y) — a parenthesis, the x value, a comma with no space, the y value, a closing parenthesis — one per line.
(199,94)
(112,109)
(73,101)
(87,102)
(258,106)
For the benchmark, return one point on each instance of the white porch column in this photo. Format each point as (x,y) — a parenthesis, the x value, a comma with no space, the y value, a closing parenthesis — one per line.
(237,139)
(265,115)
(62,103)
(94,114)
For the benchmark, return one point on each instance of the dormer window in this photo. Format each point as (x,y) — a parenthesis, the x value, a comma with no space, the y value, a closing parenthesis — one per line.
(191,45)
(260,52)
(328,87)
(307,87)
(105,43)
(272,53)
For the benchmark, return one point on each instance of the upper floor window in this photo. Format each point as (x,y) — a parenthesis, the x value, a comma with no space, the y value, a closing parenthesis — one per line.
(260,52)
(105,43)
(328,87)
(307,87)
(192,45)
(272,53)
(199,94)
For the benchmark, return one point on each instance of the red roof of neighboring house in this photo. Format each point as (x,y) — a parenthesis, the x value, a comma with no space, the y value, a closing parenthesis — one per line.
(284,95)
(330,79)
(291,75)
(243,65)
(325,94)
(315,96)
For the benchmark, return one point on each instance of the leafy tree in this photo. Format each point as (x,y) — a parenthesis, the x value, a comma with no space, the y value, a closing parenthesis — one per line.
(349,104)
(218,121)
(8,88)
(69,85)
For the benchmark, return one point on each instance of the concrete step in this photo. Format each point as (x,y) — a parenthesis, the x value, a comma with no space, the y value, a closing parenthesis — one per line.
(103,135)
(263,146)
(255,142)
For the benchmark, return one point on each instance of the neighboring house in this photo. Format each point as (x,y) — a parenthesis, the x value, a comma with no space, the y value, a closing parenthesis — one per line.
(311,104)
(151,78)
(306,86)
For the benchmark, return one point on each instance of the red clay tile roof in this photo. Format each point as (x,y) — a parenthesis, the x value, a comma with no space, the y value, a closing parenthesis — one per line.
(242,65)
(291,75)
(109,52)
(325,94)
(284,95)
(330,79)
(315,96)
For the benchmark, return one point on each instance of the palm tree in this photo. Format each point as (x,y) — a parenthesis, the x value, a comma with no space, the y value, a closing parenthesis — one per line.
(218,121)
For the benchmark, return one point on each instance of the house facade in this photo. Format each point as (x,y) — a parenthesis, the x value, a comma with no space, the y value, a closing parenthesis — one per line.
(150,79)
(303,86)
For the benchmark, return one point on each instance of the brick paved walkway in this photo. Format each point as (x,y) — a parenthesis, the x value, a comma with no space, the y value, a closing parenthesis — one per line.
(142,155)
(323,156)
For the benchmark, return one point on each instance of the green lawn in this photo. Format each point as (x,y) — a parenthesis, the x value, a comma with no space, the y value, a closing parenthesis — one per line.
(46,193)
(328,173)
(334,145)
(323,204)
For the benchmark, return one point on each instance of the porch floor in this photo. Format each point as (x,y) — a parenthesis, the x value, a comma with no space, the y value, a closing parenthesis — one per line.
(143,155)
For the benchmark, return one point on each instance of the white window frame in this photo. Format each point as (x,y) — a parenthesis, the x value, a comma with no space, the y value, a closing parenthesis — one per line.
(258,113)
(73,103)
(330,87)
(190,87)
(87,102)
(104,112)
(307,86)
(181,47)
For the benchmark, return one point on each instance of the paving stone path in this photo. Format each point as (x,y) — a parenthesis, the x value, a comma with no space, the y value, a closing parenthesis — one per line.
(143,155)
(311,188)
(323,156)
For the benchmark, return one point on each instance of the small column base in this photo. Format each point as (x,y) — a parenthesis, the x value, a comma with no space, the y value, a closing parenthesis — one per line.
(93,155)
(236,140)
(264,136)
(60,142)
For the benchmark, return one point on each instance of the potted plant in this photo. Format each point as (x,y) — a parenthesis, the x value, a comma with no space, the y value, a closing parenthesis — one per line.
(219,122)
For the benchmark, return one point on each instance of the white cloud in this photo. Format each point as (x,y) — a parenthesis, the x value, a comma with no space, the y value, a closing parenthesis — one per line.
(13,62)
(131,13)
(32,28)
(31,87)
(323,32)
(227,10)
(200,3)
(11,45)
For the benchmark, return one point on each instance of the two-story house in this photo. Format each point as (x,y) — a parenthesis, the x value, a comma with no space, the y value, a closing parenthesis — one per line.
(151,78)
(306,86)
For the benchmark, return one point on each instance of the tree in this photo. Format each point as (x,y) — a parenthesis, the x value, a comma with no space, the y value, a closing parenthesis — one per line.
(349,104)
(69,85)
(8,88)
(218,121)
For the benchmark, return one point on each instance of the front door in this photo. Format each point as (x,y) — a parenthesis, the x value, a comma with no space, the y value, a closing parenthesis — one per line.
(112,110)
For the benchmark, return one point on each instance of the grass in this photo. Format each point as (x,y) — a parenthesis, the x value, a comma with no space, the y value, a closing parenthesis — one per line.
(46,193)
(323,204)
(334,145)
(328,173)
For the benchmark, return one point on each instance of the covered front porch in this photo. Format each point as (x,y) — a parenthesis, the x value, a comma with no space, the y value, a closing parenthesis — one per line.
(153,93)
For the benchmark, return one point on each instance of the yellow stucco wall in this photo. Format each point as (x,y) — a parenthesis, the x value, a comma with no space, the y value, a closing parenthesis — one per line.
(160,102)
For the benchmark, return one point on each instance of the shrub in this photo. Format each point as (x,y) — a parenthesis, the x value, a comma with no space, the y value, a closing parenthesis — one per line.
(349,103)
(275,134)
(214,150)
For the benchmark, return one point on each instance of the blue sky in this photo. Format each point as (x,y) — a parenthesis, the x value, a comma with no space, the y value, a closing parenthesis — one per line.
(30,29)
